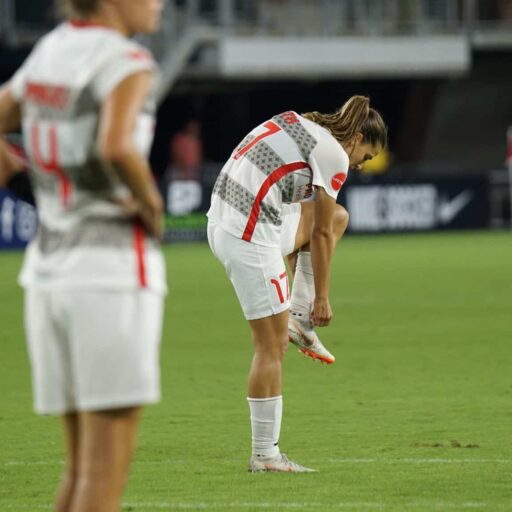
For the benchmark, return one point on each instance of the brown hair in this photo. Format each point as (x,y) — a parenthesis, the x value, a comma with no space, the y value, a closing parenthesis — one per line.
(78,8)
(355,116)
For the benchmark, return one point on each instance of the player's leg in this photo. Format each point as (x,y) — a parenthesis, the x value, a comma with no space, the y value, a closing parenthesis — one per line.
(48,346)
(305,227)
(107,442)
(68,481)
(116,372)
(303,290)
(259,278)
(270,339)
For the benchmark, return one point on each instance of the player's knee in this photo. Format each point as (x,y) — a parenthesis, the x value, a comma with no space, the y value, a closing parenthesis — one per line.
(276,351)
(341,218)
(99,475)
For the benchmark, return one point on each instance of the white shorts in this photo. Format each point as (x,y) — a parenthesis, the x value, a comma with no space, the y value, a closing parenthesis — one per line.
(258,273)
(93,350)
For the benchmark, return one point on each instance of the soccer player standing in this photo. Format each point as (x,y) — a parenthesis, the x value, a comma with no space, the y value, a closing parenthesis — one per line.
(94,276)
(275,197)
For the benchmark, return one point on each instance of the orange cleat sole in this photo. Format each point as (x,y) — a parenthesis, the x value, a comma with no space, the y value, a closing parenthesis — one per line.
(312,355)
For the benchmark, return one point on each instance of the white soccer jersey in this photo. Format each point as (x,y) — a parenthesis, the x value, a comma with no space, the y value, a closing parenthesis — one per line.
(278,162)
(84,238)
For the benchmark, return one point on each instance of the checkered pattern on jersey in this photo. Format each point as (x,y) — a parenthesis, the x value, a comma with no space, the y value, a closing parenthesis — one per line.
(297,131)
(239,198)
(267,161)
(264,158)
(94,232)
(90,177)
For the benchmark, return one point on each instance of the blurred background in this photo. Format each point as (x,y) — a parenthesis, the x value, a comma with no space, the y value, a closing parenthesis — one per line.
(440,71)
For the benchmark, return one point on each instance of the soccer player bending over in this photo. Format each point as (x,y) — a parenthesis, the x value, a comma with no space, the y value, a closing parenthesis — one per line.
(94,275)
(275,197)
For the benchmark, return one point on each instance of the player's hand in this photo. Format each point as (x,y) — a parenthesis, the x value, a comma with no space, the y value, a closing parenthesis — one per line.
(322,313)
(129,205)
(152,215)
(10,164)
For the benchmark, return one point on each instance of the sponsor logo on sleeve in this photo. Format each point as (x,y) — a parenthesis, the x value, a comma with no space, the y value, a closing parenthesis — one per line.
(337,181)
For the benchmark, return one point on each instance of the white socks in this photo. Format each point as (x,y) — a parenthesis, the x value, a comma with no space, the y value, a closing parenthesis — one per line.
(303,290)
(266,414)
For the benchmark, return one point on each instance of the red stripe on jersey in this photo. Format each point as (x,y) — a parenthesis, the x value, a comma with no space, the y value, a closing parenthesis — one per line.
(51,165)
(272,178)
(139,243)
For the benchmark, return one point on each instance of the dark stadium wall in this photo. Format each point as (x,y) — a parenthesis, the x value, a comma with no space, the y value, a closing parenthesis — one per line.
(228,110)
(446,124)
(10,60)
(471,116)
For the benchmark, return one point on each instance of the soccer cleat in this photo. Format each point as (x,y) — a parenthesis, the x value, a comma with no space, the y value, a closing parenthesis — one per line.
(307,341)
(280,464)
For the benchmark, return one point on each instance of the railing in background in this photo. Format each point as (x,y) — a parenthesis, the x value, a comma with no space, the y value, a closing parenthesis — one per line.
(22,21)
(350,17)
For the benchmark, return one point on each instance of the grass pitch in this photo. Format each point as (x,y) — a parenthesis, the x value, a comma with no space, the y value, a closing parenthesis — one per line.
(415,415)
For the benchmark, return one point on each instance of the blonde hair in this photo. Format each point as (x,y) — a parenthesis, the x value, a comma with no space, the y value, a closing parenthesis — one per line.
(355,116)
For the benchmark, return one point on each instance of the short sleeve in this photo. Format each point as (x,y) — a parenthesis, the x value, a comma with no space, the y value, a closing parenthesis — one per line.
(329,164)
(19,79)
(126,61)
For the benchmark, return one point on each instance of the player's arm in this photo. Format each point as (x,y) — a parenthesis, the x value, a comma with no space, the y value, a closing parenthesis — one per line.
(10,118)
(116,146)
(323,242)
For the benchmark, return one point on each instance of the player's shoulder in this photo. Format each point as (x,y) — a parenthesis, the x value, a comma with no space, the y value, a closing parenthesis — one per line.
(327,142)
(47,40)
(117,47)
(328,148)
(106,43)
(84,40)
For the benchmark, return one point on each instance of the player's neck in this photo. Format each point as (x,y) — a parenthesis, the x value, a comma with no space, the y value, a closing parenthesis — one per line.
(109,20)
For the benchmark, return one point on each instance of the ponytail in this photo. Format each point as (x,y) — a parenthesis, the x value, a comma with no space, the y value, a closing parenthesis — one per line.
(355,116)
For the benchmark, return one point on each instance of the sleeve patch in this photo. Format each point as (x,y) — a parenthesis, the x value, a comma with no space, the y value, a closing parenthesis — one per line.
(337,181)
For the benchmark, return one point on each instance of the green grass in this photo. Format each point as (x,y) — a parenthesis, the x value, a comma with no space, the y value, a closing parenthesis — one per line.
(415,415)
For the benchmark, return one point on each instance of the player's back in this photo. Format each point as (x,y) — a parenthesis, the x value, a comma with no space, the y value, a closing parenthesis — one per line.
(277,162)
(61,87)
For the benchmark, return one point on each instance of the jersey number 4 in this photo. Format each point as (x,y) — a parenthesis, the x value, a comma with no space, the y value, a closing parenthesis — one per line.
(50,164)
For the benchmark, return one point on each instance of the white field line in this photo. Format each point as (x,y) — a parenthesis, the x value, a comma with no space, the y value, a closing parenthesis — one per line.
(332,461)
(430,505)
(414,460)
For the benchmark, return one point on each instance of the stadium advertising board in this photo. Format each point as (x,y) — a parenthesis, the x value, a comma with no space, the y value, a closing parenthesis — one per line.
(379,205)
(376,206)
(18,221)
(438,204)
(186,204)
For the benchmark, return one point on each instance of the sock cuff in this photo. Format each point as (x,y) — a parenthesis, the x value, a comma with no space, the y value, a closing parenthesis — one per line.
(269,399)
